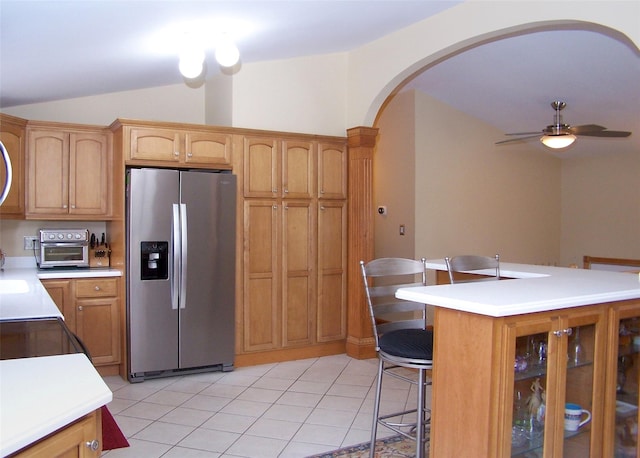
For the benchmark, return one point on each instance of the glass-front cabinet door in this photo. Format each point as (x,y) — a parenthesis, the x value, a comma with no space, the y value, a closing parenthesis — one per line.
(621,424)
(558,375)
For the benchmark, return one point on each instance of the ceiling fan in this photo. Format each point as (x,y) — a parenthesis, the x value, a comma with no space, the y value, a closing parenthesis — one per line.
(560,135)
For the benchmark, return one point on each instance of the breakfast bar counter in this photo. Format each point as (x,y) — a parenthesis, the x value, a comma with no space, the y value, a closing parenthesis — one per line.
(495,341)
(537,289)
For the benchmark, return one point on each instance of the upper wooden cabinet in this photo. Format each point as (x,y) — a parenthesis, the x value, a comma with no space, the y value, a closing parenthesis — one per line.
(294,169)
(332,170)
(12,135)
(279,168)
(69,173)
(172,145)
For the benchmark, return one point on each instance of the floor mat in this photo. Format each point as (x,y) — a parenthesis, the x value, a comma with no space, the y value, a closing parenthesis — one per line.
(390,447)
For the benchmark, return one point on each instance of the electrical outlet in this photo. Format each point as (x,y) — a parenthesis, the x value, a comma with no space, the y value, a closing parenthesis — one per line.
(29,242)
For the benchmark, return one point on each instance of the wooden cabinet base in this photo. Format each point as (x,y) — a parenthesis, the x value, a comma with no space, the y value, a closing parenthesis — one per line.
(289,354)
(82,439)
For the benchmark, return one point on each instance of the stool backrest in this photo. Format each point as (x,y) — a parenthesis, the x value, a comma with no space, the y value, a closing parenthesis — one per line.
(382,277)
(484,268)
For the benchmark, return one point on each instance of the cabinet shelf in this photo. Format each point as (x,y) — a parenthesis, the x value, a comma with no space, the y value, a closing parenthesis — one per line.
(536,445)
(539,370)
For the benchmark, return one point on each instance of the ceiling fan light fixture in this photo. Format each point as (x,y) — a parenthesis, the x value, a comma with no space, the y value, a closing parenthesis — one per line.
(558,141)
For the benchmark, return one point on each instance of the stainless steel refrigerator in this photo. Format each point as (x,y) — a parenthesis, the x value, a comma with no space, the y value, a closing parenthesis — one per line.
(180,271)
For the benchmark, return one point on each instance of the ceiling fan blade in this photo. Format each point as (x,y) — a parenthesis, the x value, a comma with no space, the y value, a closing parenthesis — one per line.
(605,133)
(518,139)
(586,128)
(525,133)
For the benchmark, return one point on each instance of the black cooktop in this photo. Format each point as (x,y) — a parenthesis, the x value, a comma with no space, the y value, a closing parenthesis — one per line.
(36,337)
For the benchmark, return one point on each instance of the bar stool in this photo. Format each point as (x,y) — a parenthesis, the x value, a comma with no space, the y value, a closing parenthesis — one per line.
(402,341)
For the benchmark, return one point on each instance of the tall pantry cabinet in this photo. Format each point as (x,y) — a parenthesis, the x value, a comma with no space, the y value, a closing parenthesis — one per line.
(294,246)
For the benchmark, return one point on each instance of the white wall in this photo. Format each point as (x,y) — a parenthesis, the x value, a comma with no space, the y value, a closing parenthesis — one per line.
(305,95)
(470,196)
(601,207)
(394,180)
(176,103)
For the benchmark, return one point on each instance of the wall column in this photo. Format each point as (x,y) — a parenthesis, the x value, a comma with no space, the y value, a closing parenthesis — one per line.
(361,141)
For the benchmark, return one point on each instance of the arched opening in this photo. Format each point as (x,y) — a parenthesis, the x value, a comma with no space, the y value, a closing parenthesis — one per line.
(413,189)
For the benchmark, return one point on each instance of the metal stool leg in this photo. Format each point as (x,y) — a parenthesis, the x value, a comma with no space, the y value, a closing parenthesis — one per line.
(420,414)
(376,409)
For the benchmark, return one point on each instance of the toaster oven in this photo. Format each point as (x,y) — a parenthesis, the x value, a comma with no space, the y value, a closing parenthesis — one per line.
(64,248)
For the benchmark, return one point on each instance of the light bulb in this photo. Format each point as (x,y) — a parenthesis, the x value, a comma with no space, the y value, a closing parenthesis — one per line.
(191,62)
(227,53)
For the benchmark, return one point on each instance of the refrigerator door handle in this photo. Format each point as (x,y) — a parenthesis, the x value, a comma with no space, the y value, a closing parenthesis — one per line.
(176,257)
(183,255)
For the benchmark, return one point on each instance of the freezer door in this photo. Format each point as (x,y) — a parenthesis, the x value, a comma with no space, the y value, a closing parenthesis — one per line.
(152,321)
(207,320)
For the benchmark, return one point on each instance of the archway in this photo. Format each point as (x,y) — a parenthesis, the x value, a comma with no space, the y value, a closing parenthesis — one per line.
(362,141)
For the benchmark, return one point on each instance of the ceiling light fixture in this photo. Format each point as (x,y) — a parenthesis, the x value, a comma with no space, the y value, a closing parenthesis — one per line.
(227,53)
(192,56)
(191,62)
(558,141)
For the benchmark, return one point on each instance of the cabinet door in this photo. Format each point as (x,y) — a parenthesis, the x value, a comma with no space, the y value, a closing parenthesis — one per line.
(207,148)
(332,170)
(97,325)
(261,175)
(332,271)
(74,441)
(12,137)
(155,145)
(622,393)
(48,172)
(60,292)
(298,170)
(261,275)
(89,173)
(553,368)
(298,283)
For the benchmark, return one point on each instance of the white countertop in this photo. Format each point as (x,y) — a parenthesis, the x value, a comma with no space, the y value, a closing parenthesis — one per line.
(40,395)
(23,296)
(533,289)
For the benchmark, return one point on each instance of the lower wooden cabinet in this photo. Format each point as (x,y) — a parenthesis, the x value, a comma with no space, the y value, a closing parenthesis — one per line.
(81,439)
(90,307)
(502,382)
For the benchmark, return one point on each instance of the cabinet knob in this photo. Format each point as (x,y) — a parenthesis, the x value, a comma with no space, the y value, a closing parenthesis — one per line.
(73,206)
(96,288)
(275,207)
(176,153)
(562,332)
(64,206)
(286,190)
(322,191)
(322,207)
(80,308)
(190,154)
(274,190)
(94,445)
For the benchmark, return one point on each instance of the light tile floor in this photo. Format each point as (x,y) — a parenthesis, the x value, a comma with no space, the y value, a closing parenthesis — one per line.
(291,409)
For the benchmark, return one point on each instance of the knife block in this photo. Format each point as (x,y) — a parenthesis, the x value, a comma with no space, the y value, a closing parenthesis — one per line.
(99,256)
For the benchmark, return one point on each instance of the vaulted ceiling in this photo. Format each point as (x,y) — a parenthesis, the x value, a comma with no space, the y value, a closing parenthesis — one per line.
(53,50)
